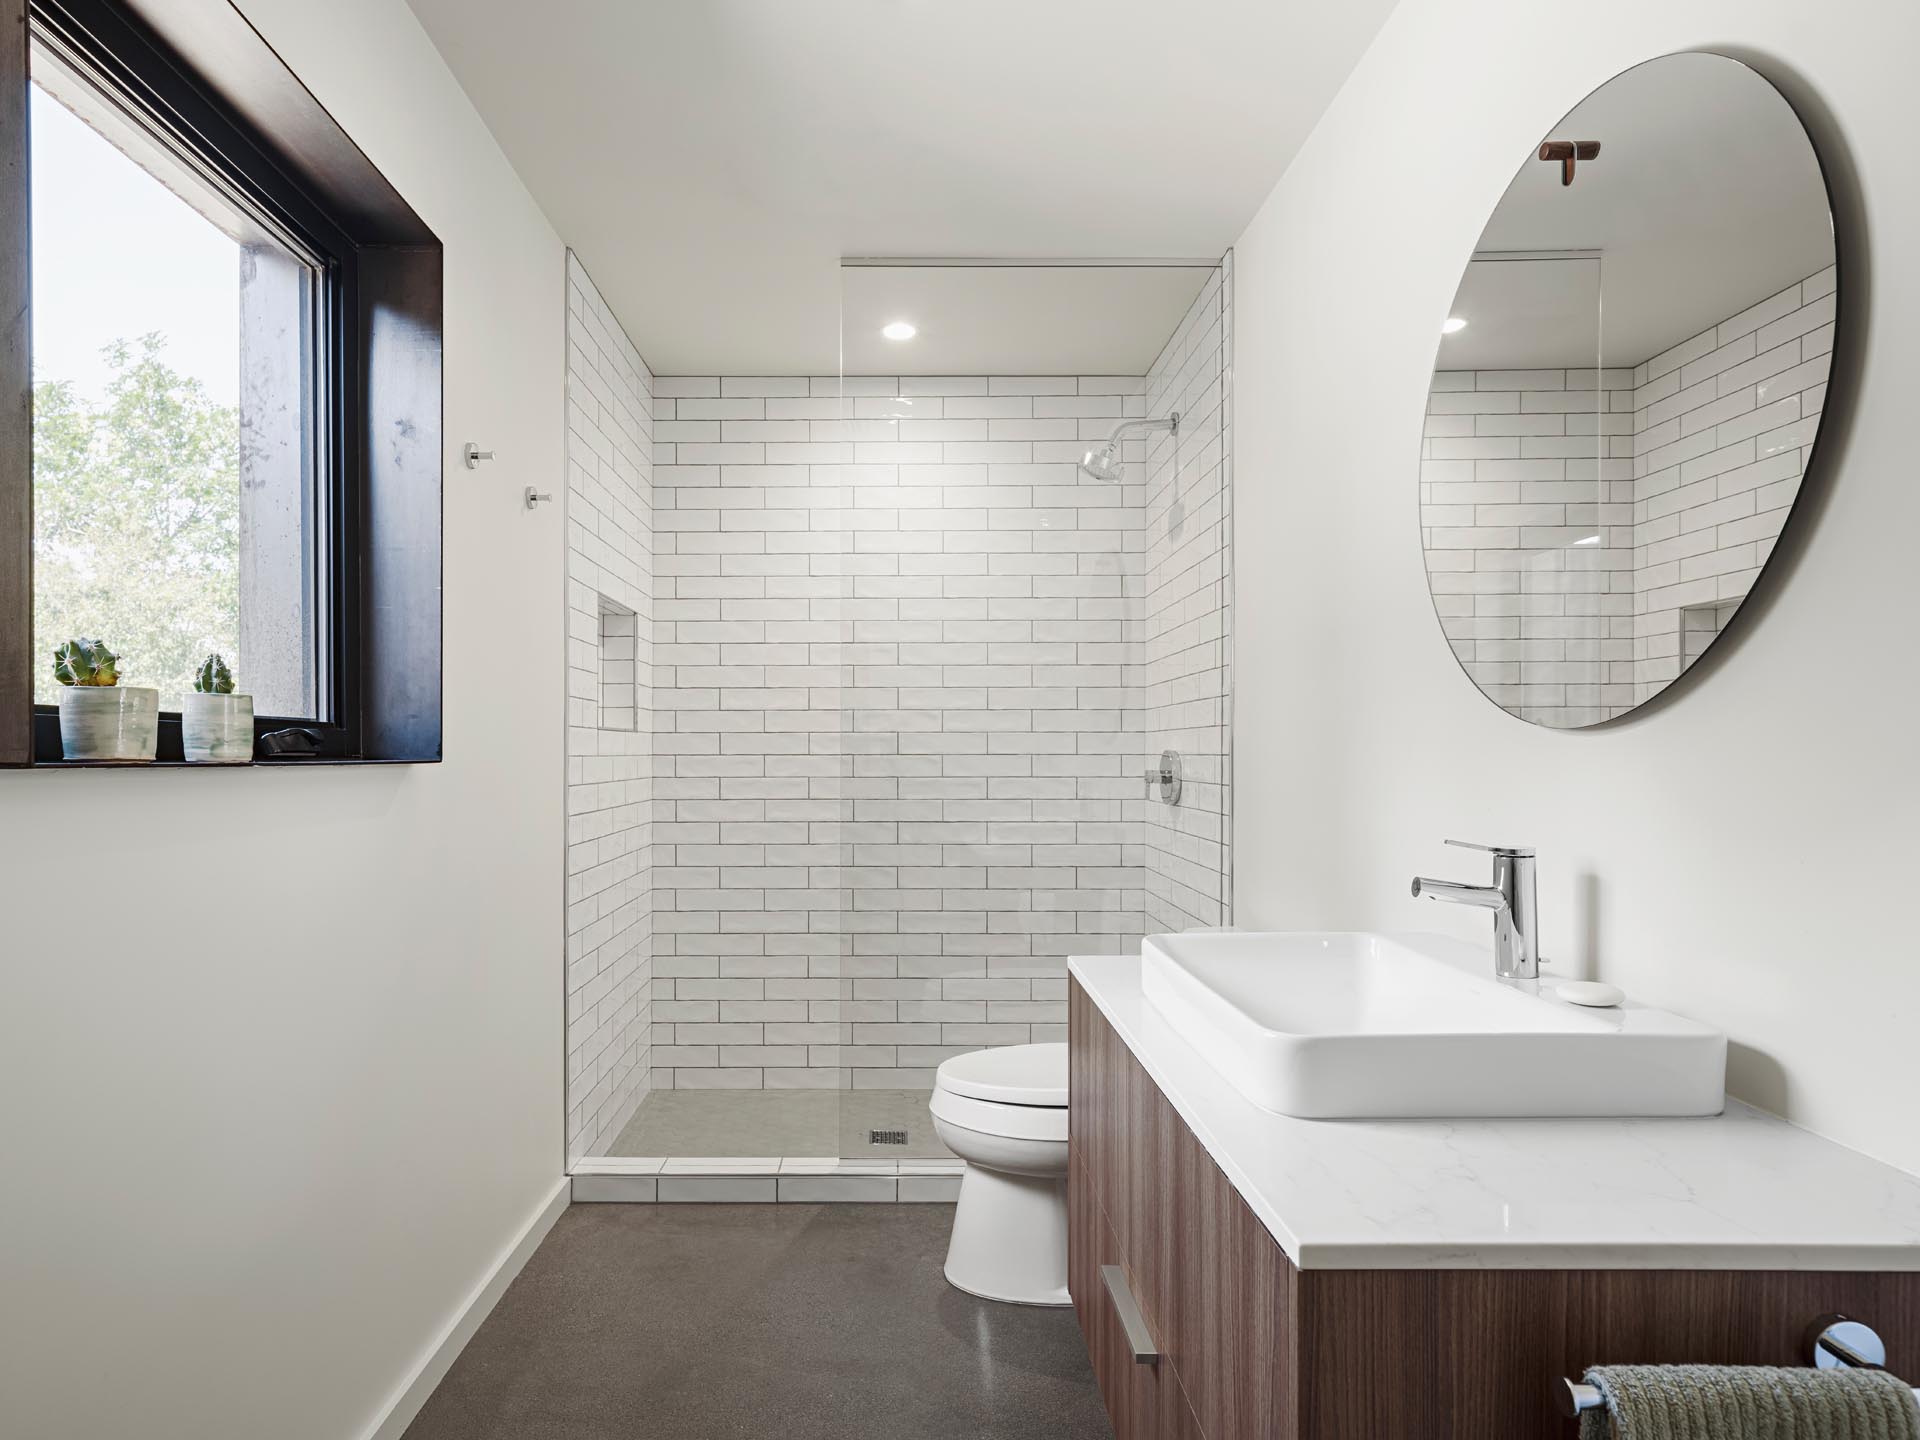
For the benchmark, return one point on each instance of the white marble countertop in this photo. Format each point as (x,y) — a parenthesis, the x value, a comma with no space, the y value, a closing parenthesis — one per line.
(1740,1191)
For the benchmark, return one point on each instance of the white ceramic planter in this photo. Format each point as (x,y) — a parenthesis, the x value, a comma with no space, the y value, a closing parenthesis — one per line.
(109,722)
(217,729)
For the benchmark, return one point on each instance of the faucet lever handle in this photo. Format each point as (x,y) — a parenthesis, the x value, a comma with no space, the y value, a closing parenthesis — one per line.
(1522,852)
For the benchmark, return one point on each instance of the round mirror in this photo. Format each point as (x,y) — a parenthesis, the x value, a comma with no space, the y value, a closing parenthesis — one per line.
(1628,390)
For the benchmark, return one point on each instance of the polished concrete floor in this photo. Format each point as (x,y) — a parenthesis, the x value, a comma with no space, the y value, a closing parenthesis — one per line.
(772,1124)
(801,1322)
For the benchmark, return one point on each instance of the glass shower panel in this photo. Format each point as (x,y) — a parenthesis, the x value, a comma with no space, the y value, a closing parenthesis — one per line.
(748,780)
(1525,484)
(1184,615)
(1027,637)
(903,664)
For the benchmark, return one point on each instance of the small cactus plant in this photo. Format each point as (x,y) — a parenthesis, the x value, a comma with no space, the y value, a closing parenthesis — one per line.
(83,662)
(213,677)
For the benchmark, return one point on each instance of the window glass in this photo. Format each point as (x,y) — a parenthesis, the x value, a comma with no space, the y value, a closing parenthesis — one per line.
(173,444)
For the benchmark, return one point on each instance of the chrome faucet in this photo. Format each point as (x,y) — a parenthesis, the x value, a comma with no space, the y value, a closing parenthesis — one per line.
(1516,916)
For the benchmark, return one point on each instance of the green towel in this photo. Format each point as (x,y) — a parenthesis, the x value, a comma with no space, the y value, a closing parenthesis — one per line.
(1735,1402)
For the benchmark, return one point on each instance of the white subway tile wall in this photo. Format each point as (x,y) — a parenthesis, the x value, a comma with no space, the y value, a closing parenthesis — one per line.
(609,504)
(1526,506)
(892,745)
(1569,518)
(905,683)
(1723,425)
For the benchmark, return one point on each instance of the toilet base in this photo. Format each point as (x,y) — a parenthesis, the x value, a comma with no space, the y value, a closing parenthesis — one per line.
(1010,1238)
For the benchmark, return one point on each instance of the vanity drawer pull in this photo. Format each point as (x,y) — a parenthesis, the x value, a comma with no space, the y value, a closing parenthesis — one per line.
(1139,1338)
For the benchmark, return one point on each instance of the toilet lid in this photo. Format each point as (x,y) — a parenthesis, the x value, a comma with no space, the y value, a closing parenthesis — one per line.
(1009,1074)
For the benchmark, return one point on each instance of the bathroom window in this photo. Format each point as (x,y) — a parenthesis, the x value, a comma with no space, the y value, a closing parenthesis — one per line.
(234,386)
(178,477)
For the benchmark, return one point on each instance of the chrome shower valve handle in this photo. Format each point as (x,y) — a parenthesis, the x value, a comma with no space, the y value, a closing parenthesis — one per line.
(1165,776)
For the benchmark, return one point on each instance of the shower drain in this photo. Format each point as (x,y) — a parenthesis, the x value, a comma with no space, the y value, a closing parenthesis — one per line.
(886,1137)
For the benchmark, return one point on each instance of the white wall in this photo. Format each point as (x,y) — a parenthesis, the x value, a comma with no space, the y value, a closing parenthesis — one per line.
(1775,909)
(259,1147)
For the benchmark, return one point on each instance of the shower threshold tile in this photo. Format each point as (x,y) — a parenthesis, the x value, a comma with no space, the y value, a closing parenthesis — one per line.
(928,1189)
(619,1165)
(837,1165)
(626,1189)
(840,1189)
(720,1165)
(718,1189)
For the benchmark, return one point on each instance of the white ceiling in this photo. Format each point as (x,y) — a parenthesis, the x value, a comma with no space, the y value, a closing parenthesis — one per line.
(1013,320)
(711,161)
(1706,198)
(1526,315)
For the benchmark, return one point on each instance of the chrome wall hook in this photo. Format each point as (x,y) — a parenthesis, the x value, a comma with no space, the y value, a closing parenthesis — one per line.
(473,455)
(535,498)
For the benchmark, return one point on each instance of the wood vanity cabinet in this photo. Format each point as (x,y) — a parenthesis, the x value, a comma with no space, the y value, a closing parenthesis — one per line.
(1254,1349)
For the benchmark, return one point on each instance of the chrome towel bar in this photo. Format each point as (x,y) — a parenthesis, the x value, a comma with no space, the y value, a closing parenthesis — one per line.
(1833,1342)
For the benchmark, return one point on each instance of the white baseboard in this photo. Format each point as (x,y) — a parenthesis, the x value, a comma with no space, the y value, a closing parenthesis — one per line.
(446,1348)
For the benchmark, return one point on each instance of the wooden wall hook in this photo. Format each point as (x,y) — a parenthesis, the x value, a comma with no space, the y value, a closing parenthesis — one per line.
(1569,153)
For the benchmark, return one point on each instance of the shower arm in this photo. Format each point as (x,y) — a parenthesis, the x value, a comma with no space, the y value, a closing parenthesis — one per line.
(1171,424)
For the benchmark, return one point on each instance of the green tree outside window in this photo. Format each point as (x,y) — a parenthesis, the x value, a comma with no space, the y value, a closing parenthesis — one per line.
(137,520)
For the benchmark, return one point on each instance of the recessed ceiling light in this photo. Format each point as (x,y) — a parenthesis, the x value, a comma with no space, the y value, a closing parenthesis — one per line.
(1453,326)
(900,330)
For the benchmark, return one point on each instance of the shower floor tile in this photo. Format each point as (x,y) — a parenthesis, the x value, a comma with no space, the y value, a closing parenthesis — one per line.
(770,1125)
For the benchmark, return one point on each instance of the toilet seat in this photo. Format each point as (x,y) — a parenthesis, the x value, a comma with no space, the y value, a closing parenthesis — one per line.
(988,1117)
(1031,1075)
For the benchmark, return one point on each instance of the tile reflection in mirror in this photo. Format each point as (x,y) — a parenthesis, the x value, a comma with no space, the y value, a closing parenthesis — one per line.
(1616,437)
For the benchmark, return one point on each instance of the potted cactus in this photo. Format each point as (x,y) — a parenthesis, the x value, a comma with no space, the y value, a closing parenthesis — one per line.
(216,725)
(101,719)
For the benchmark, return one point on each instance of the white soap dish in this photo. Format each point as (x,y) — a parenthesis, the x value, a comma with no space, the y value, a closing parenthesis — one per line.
(1591,992)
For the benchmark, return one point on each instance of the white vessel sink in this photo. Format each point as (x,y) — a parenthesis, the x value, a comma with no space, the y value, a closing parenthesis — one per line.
(1345,1025)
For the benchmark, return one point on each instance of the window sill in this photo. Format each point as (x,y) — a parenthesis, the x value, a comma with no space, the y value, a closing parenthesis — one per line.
(302,762)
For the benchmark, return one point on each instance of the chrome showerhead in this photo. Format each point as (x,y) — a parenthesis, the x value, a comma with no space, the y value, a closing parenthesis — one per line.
(1104,463)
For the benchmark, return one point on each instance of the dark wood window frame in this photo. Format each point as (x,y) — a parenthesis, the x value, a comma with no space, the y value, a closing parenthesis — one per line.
(196,72)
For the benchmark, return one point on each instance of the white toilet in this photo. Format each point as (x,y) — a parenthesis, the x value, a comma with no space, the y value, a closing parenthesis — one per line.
(1004,1112)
